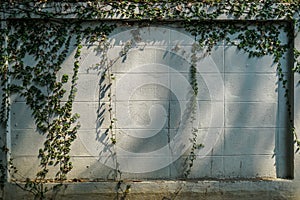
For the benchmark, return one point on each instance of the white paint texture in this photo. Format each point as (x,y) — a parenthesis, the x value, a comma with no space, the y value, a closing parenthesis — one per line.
(240,112)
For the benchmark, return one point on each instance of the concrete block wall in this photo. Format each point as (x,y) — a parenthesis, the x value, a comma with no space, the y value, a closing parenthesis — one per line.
(241,112)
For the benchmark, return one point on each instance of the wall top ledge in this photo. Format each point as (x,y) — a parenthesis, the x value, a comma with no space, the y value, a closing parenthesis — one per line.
(158,11)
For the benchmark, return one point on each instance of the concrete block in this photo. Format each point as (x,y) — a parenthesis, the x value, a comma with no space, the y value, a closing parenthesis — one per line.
(249,141)
(142,140)
(250,114)
(89,142)
(160,173)
(212,140)
(21,117)
(143,164)
(151,35)
(179,36)
(101,149)
(15,97)
(210,114)
(27,167)
(122,36)
(174,57)
(180,143)
(251,87)
(210,86)
(142,86)
(152,91)
(212,165)
(88,88)
(92,115)
(135,61)
(203,167)
(179,58)
(180,113)
(90,168)
(95,59)
(249,166)
(181,88)
(90,59)
(146,157)
(68,64)
(212,62)
(142,114)
(106,90)
(26,142)
(179,166)
(239,61)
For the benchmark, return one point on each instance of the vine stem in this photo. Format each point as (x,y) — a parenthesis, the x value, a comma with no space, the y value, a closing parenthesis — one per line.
(8,99)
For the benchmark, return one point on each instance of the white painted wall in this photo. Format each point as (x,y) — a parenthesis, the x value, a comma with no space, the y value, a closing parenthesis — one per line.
(241,112)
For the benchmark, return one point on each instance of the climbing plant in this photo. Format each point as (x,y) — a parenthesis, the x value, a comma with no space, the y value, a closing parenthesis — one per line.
(46,32)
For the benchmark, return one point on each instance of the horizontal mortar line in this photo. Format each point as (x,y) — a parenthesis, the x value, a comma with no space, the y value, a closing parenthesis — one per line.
(168,100)
(172,128)
(156,155)
(164,128)
(269,102)
(165,45)
(153,44)
(94,101)
(249,101)
(173,71)
(226,126)
(128,129)
(96,158)
(180,72)
(251,73)
(26,156)
(24,129)
(155,129)
(235,155)
(132,129)
(251,127)
(275,128)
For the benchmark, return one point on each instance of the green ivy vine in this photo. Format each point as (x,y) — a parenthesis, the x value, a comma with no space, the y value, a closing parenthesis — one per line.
(45,32)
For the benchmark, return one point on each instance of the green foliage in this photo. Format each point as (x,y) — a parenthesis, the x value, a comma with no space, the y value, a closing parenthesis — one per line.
(122,190)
